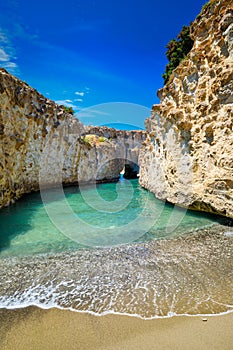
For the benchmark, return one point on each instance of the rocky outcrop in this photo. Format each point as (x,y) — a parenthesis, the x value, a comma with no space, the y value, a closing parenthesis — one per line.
(130,142)
(188,156)
(41,144)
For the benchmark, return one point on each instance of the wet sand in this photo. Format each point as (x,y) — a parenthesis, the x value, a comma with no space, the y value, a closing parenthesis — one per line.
(36,329)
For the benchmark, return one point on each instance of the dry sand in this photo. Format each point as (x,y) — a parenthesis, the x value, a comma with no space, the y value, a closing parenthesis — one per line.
(35,329)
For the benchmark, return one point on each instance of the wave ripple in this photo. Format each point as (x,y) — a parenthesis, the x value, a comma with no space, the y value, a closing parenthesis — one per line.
(186,275)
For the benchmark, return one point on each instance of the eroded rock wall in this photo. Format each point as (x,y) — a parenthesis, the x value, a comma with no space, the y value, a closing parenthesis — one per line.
(188,156)
(42,144)
(130,141)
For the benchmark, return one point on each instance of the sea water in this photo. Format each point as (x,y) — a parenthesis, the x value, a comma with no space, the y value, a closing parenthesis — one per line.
(128,253)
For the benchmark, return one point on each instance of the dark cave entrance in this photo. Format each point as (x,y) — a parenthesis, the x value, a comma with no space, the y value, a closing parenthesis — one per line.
(131,170)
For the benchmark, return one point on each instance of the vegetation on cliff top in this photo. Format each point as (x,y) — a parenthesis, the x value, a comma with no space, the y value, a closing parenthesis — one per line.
(93,140)
(68,109)
(177,50)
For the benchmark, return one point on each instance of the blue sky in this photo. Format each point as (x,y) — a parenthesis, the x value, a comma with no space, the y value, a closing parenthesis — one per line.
(86,53)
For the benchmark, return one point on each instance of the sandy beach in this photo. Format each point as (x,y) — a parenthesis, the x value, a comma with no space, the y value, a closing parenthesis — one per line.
(34,329)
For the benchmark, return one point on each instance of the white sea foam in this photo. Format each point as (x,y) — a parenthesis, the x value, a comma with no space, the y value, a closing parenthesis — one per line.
(110,312)
(228,233)
(163,279)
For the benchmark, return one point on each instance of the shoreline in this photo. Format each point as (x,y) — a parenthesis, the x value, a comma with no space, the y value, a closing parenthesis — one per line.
(111,313)
(133,292)
(35,328)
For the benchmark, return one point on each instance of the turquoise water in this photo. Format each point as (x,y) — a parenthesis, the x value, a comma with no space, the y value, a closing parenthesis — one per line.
(106,215)
(168,267)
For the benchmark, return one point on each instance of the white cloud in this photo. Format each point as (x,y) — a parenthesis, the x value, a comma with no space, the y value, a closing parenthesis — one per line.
(4,57)
(79,99)
(80,93)
(10,65)
(65,103)
(7,53)
(68,101)
(3,38)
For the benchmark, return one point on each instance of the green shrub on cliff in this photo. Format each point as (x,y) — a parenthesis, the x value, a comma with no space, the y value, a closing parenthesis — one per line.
(68,109)
(177,49)
(93,140)
(102,139)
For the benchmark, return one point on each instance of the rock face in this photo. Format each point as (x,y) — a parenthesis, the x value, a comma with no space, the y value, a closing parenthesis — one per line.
(41,144)
(129,142)
(188,156)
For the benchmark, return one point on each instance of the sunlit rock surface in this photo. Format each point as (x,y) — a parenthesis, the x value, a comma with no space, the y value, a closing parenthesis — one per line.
(41,144)
(188,156)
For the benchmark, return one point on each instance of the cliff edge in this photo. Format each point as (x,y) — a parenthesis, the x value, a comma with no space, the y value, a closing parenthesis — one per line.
(187,158)
(43,145)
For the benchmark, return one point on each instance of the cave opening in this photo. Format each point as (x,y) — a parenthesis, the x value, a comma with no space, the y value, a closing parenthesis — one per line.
(131,170)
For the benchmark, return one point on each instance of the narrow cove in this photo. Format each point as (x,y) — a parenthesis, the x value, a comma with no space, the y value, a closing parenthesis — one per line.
(27,229)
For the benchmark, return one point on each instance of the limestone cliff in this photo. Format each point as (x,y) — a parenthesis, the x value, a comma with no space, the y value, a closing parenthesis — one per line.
(188,156)
(42,144)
